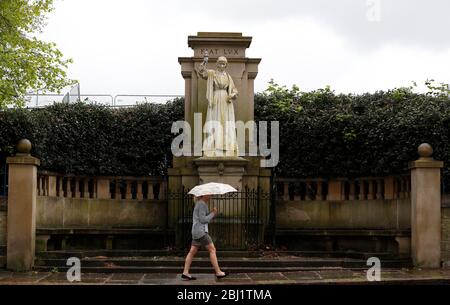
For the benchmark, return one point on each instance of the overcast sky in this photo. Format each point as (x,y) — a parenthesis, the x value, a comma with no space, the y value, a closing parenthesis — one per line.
(132,46)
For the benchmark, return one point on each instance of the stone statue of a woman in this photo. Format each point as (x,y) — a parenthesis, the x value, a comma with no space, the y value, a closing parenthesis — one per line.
(220,126)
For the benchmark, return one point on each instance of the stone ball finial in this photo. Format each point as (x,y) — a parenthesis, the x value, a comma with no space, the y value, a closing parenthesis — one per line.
(425,150)
(24,146)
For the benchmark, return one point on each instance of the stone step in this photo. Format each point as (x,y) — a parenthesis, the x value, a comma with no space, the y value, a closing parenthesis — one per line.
(203,262)
(243,264)
(258,253)
(193,269)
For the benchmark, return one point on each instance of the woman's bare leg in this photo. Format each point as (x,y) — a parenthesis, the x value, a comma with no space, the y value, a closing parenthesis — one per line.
(189,257)
(213,257)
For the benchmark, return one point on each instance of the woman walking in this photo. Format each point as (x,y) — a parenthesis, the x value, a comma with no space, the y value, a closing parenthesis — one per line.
(200,237)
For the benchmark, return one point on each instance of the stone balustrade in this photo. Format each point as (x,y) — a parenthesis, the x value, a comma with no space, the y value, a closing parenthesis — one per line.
(101,187)
(365,188)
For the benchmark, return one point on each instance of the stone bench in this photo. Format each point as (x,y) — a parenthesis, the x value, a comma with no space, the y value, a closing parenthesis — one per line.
(43,235)
(344,232)
(329,237)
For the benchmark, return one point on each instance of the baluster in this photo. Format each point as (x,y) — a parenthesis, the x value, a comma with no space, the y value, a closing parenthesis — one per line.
(69,187)
(343,190)
(319,191)
(139,192)
(370,193)
(60,187)
(162,190)
(94,182)
(128,184)
(286,191)
(150,195)
(351,193)
(380,183)
(297,192)
(361,190)
(47,185)
(77,191)
(308,190)
(86,187)
(118,194)
(51,185)
(42,185)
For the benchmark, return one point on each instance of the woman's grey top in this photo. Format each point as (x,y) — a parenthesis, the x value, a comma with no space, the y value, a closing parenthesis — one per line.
(200,219)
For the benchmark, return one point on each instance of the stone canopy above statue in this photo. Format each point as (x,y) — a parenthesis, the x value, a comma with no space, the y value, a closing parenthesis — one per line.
(230,45)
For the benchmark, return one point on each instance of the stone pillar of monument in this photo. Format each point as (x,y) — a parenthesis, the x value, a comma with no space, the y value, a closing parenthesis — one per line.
(22,191)
(426,209)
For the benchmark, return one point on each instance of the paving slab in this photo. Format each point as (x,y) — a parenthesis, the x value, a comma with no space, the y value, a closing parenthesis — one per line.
(302,275)
(88,278)
(24,277)
(125,278)
(267,276)
(337,274)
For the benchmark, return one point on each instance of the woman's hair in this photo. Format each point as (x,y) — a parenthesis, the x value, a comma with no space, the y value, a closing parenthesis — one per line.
(199,197)
(222,58)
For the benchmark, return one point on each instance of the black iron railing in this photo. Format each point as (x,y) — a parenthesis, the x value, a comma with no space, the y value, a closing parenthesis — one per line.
(240,224)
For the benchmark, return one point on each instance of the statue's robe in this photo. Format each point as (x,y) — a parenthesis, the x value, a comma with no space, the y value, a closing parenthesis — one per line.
(220,125)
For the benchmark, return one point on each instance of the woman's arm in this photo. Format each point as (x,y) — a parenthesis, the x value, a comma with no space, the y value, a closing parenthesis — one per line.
(202,72)
(233,93)
(203,218)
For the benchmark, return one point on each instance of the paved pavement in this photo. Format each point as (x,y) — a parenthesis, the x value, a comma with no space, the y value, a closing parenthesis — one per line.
(323,276)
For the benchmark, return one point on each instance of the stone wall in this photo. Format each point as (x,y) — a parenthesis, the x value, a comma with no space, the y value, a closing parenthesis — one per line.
(445,237)
(3,227)
(56,212)
(346,214)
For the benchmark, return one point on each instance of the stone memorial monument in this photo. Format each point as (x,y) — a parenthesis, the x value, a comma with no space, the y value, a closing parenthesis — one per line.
(219,89)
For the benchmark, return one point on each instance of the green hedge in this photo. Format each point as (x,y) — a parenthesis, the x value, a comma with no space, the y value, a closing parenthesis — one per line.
(95,140)
(327,135)
(322,134)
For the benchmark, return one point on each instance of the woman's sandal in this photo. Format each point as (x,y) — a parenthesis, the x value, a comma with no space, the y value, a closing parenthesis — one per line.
(222,276)
(189,278)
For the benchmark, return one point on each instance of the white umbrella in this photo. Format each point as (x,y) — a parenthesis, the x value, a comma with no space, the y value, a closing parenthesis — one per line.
(212,188)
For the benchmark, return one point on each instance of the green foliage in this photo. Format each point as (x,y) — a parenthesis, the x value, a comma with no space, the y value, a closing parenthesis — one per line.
(438,90)
(27,63)
(95,140)
(355,135)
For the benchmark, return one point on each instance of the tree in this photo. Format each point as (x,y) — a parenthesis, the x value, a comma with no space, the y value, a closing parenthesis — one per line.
(27,63)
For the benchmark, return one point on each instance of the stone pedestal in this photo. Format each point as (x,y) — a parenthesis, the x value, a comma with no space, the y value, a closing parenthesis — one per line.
(188,172)
(229,170)
(426,209)
(22,194)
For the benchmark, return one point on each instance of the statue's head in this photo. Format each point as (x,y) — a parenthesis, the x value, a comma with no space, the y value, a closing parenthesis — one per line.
(221,63)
